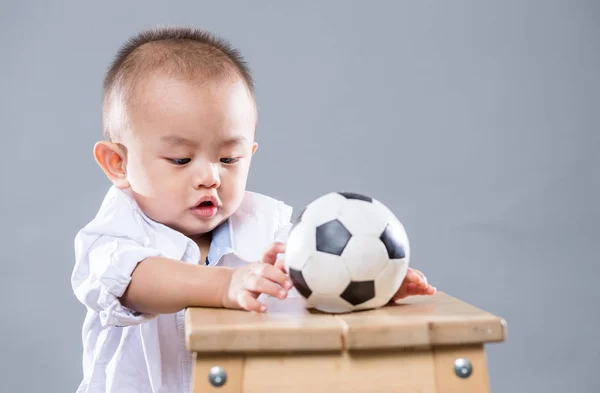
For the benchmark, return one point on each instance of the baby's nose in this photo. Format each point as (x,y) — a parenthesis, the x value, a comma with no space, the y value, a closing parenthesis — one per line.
(208,177)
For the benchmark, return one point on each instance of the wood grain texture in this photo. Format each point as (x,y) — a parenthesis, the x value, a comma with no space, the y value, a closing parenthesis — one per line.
(405,371)
(286,326)
(420,321)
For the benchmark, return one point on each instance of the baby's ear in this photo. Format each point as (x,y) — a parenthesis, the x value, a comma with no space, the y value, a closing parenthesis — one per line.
(254,147)
(112,158)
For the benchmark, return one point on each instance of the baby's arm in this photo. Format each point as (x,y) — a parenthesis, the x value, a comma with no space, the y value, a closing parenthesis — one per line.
(161,286)
(127,283)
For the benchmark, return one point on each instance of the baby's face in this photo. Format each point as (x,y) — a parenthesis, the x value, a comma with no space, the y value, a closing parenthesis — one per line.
(189,143)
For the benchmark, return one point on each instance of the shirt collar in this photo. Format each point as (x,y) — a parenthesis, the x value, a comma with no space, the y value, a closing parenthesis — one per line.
(221,243)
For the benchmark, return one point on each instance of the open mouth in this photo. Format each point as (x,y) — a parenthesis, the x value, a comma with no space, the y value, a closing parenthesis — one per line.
(206,209)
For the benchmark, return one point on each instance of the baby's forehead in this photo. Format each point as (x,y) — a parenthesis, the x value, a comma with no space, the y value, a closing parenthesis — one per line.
(210,109)
(145,85)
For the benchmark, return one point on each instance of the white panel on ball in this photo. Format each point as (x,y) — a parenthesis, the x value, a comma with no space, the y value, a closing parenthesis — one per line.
(324,209)
(365,257)
(363,218)
(300,245)
(326,274)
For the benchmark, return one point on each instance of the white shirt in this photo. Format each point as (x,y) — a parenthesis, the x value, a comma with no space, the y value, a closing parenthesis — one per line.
(127,351)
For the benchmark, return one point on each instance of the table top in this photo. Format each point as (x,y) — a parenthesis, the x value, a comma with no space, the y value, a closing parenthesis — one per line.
(288,326)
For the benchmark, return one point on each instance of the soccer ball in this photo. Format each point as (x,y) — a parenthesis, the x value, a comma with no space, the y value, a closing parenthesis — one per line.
(347,252)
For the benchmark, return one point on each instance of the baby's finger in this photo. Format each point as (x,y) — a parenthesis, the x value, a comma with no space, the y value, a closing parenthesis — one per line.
(270,255)
(260,284)
(272,273)
(401,293)
(429,290)
(250,303)
(415,291)
(416,277)
(280,264)
(420,273)
(412,276)
(423,278)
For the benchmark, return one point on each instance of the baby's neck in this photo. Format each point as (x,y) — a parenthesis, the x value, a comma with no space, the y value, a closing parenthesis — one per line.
(203,241)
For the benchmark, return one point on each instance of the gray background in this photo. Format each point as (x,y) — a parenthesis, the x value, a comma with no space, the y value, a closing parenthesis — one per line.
(477,123)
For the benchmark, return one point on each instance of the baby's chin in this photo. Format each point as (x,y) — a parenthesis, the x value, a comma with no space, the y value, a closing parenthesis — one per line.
(194,227)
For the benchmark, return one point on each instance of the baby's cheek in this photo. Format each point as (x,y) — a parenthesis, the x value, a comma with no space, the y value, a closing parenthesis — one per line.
(141,180)
(154,181)
(231,193)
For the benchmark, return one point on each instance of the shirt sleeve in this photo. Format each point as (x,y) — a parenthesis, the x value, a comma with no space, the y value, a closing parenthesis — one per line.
(283,233)
(284,224)
(102,273)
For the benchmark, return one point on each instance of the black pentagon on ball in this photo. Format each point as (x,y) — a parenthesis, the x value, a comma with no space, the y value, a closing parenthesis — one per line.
(358,292)
(391,239)
(332,237)
(300,283)
(353,195)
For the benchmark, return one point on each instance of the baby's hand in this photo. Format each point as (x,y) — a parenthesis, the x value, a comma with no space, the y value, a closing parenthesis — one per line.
(415,283)
(249,281)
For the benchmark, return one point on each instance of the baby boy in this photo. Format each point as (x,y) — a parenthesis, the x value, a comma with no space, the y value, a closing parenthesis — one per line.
(177,228)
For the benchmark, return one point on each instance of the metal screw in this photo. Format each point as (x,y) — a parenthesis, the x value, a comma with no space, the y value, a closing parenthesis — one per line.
(462,368)
(217,376)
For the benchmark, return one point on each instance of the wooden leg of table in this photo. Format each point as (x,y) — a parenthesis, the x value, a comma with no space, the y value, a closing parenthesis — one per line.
(233,366)
(447,381)
(424,371)
(360,372)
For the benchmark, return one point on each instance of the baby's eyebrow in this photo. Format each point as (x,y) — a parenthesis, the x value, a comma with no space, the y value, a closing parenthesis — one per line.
(235,140)
(177,140)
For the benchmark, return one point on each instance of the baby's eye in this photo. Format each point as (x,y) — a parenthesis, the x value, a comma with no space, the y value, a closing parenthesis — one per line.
(229,160)
(180,161)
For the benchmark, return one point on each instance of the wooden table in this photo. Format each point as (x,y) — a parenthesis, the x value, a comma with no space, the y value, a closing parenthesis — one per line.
(431,344)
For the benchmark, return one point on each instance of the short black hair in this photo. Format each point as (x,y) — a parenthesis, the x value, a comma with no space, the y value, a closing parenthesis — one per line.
(181,51)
